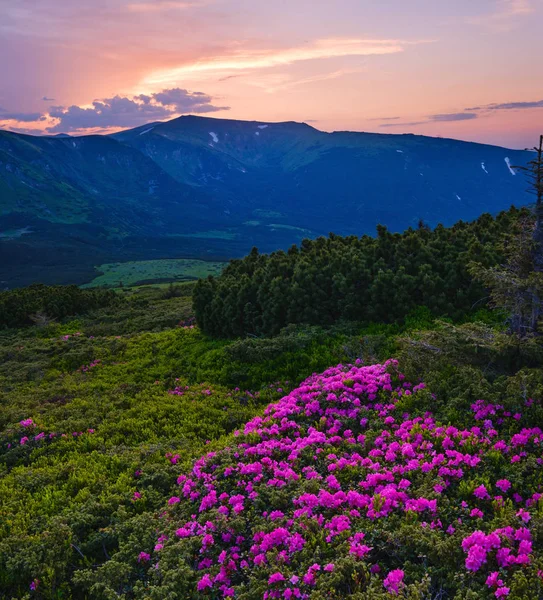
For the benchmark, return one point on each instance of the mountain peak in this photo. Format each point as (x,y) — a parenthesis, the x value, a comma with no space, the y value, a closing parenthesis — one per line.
(235,122)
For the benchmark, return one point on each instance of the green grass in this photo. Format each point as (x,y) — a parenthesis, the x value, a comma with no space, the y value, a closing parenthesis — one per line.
(132,273)
(67,503)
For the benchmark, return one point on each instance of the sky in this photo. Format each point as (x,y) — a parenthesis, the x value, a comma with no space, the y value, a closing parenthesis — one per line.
(463,69)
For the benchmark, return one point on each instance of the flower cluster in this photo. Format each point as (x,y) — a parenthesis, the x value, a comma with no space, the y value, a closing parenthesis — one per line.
(182,390)
(301,494)
(29,427)
(68,336)
(501,542)
(92,365)
(189,323)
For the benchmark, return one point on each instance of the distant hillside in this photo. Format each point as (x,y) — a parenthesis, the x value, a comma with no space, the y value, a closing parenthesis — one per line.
(345,182)
(213,188)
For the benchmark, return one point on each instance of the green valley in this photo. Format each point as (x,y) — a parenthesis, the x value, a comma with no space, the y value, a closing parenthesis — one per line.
(153,271)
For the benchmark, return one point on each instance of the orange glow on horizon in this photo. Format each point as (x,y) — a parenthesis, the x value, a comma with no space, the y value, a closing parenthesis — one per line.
(353,64)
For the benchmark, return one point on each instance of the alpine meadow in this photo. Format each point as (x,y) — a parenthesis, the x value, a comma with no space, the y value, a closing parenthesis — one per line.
(292,350)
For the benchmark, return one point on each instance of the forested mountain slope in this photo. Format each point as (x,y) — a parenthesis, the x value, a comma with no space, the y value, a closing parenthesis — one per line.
(213,188)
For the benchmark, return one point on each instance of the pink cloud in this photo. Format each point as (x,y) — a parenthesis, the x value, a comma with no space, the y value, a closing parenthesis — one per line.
(504,17)
(123,112)
(241,59)
(167,5)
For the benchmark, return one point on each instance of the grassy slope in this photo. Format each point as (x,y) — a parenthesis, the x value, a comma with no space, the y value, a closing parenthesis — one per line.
(68,504)
(131,273)
(66,501)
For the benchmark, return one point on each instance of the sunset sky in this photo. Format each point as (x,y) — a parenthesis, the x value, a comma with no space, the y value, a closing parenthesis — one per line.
(455,68)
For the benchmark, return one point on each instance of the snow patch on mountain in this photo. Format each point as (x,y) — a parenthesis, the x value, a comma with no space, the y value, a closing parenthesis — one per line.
(214,136)
(508,163)
(262,126)
(146,131)
(484,168)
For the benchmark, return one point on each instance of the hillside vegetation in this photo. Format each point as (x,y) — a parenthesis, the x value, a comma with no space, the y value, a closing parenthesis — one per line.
(144,456)
(378,279)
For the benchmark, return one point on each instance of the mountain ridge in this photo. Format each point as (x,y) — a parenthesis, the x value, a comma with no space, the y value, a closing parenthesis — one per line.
(205,187)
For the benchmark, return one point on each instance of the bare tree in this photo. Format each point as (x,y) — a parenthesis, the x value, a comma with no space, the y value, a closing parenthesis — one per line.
(41,319)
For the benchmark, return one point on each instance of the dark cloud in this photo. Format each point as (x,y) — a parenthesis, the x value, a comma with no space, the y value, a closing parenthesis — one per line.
(229,77)
(410,124)
(462,116)
(111,112)
(6,115)
(25,130)
(510,106)
(46,99)
(440,118)
(120,111)
(386,119)
(184,101)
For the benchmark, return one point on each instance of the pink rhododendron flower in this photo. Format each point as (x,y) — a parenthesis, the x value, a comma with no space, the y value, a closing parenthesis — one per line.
(523,515)
(276,578)
(394,581)
(493,580)
(481,492)
(204,583)
(476,558)
(503,484)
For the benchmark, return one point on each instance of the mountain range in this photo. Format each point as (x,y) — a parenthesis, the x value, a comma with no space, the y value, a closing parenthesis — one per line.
(213,188)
